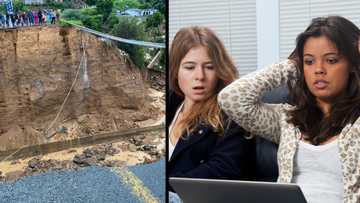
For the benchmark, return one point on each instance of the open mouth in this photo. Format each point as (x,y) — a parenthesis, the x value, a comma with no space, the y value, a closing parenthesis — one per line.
(198,88)
(321,84)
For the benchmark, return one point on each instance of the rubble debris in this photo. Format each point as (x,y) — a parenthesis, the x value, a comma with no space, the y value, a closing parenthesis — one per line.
(82,160)
(147,160)
(132,148)
(99,109)
(148,145)
(157,81)
(136,141)
(118,91)
(94,155)
(36,165)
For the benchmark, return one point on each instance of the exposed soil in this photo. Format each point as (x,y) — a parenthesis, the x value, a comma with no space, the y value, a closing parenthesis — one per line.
(38,66)
(142,149)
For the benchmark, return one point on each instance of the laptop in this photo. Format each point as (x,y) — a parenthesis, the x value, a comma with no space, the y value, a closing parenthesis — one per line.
(194,190)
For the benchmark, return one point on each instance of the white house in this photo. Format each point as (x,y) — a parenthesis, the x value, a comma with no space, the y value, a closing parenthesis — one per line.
(257,32)
(137,12)
(29,2)
(148,12)
(133,12)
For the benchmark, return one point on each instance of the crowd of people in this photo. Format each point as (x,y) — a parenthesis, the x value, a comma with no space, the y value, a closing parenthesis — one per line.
(29,18)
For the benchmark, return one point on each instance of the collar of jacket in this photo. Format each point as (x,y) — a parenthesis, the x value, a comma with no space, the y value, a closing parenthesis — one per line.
(194,137)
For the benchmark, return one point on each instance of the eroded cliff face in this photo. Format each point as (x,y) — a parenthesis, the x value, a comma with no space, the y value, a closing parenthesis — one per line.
(37,68)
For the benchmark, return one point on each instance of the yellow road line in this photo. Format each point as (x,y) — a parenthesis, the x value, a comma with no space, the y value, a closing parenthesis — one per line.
(137,186)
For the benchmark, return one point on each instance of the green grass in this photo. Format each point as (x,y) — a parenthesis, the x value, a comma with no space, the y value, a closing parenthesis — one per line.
(65,23)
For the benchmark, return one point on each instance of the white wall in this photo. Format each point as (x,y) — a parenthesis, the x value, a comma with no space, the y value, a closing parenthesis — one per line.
(234,21)
(267,21)
(257,32)
(295,16)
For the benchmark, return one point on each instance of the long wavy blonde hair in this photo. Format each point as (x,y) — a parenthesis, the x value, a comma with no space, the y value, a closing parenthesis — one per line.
(208,111)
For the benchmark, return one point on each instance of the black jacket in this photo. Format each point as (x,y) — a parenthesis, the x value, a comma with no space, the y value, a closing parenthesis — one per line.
(205,154)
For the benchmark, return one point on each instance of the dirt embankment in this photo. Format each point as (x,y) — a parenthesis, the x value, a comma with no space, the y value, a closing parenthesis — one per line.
(37,69)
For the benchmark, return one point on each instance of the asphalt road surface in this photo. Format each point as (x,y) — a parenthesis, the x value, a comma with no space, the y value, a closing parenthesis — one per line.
(142,183)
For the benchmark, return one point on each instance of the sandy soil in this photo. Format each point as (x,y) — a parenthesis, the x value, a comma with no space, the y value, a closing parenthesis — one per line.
(129,153)
(130,158)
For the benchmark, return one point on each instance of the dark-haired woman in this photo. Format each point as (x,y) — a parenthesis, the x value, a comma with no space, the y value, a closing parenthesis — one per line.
(319,133)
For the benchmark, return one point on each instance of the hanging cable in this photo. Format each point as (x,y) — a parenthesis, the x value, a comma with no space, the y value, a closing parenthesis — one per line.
(82,62)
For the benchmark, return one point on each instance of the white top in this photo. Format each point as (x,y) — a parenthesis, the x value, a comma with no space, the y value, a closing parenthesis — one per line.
(171,149)
(171,146)
(317,170)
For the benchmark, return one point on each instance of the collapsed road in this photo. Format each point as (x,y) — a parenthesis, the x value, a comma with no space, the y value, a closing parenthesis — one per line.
(61,91)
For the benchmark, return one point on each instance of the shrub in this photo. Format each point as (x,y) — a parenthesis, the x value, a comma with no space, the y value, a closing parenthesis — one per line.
(72,14)
(19,6)
(89,11)
(131,28)
(90,2)
(120,4)
(104,7)
(110,23)
(154,20)
(93,22)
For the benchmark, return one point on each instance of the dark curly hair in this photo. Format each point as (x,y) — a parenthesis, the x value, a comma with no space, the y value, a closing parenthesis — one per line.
(307,115)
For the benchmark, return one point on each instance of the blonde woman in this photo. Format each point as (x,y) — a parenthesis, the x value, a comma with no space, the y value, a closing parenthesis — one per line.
(203,142)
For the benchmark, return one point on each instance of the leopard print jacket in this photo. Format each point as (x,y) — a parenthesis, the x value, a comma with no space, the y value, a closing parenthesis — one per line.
(241,101)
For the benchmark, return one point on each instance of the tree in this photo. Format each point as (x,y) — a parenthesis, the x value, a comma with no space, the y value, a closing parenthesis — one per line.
(104,7)
(93,22)
(2,9)
(157,4)
(72,14)
(131,28)
(121,4)
(109,24)
(19,6)
(154,20)
(90,2)
(89,11)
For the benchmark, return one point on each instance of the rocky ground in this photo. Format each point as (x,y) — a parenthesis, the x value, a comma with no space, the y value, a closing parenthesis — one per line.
(157,79)
(37,68)
(142,149)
